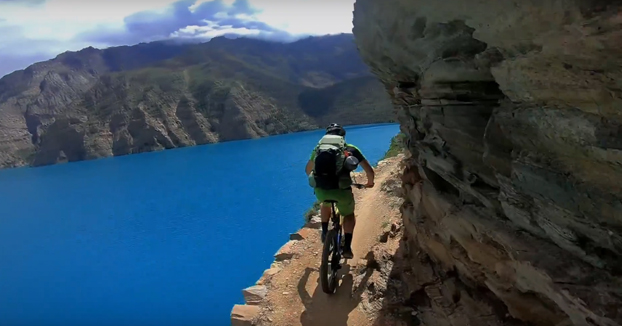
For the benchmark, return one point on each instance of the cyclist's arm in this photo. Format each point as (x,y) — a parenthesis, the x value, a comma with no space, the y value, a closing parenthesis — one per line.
(369,172)
(310,163)
(309,167)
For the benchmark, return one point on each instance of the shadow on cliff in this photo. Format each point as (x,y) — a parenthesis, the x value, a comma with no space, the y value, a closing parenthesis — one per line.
(399,299)
(402,300)
(322,309)
(419,292)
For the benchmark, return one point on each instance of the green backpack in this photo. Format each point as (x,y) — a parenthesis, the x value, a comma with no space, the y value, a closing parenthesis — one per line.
(328,171)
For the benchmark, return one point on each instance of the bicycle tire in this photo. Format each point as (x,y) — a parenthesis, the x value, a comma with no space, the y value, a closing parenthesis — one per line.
(328,284)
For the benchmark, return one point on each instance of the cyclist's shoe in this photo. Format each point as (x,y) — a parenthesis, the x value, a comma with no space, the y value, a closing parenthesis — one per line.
(347,253)
(323,236)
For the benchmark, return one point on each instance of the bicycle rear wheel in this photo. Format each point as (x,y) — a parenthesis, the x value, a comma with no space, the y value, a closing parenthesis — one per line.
(328,272)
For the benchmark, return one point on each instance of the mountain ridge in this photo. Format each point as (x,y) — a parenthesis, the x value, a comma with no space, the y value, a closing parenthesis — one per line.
(130,99)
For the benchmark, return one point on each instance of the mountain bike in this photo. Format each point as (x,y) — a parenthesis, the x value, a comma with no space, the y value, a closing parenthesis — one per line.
(333,248)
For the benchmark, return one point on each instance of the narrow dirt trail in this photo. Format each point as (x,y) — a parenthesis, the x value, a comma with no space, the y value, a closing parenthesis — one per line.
(295,296)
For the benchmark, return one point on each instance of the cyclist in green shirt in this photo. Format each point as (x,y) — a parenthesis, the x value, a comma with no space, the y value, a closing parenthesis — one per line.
(334,183)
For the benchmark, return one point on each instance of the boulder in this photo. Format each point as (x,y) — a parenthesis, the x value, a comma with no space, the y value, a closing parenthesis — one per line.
(315,222)
(391,186)
(302,234)
(267,275)
(396,227)
(287,251)
(243,315)
(384,237)
(255,294)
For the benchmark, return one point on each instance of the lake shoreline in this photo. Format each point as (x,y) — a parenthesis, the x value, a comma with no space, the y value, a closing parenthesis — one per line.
(355,126)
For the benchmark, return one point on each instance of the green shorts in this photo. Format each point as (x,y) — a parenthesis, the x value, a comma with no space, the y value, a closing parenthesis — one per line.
(344,198)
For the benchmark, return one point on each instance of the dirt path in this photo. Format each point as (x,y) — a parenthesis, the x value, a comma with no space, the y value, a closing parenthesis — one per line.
(295,296)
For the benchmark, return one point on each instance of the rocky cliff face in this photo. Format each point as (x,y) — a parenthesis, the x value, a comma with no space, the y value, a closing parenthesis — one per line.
(132,99)
(513,193)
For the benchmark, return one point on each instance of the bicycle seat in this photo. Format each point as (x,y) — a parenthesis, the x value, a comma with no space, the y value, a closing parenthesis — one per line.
(330,201)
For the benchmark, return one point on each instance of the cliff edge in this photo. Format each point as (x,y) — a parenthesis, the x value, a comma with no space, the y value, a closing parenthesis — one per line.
(513,193)
(288,293)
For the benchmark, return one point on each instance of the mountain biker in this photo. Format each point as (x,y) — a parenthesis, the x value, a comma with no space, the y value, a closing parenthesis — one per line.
(336,183)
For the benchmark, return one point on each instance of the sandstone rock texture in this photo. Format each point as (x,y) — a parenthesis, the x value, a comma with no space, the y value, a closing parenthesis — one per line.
(513,112)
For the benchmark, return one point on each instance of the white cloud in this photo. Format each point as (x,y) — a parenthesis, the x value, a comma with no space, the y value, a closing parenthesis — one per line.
(208,32)
(315,17)
(36,28)
(198,3)
(63,19)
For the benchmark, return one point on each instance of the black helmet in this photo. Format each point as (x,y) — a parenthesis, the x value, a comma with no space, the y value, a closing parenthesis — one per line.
(335,129)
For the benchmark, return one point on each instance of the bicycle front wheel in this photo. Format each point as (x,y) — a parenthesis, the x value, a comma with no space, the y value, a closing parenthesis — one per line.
(328,273)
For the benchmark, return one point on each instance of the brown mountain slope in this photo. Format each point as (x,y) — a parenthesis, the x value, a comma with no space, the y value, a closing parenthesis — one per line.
(95,103)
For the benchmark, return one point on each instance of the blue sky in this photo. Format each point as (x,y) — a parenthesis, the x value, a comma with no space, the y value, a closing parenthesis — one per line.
(36,30)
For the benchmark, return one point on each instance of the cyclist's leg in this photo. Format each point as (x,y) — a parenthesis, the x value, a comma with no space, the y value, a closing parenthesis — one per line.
(321,196)
(346,205)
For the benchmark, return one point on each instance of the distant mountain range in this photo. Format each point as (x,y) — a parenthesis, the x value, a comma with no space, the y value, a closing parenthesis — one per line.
(151,96)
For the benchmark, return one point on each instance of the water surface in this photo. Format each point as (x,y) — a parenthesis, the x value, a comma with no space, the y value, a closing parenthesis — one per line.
(161,238)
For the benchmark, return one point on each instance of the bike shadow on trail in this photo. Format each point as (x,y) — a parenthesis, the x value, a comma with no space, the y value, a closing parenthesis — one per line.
(322,309)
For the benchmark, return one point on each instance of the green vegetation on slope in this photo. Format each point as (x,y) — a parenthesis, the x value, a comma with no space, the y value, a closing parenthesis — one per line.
(354,101)
(397,146)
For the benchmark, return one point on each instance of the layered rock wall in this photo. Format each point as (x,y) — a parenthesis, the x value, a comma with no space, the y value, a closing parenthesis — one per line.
(513,112)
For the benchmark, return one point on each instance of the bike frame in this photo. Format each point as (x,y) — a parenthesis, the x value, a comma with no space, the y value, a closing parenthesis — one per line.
(337,225)
(335,259)
(338,222)
(336,239)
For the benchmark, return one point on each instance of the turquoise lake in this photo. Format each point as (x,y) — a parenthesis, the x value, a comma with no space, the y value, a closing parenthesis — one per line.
(161,238)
